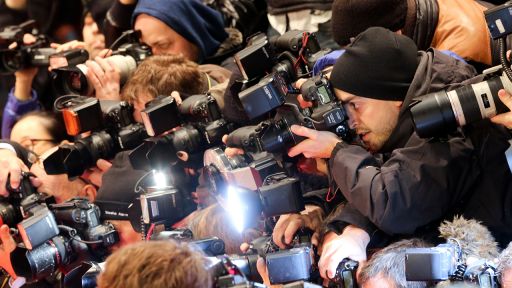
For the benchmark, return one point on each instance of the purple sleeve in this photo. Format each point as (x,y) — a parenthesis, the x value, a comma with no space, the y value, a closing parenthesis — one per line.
(14,109)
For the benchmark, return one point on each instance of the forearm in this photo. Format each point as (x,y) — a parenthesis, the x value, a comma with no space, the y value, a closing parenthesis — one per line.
(412,188)
(23,89)
(14,109)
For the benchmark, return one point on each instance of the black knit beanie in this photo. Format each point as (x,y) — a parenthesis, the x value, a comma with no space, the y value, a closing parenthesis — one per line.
(379,64)
(351,17)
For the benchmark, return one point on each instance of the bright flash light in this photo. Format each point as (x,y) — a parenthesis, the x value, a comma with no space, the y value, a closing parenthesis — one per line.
(236,208)
(160,179)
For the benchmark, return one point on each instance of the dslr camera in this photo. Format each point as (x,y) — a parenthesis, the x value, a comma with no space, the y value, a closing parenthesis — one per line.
(327,114)
(72,80)
(440,113)
(55,237)
(444,262)
(262,95)
(197,125)
(113,130)
(22,202)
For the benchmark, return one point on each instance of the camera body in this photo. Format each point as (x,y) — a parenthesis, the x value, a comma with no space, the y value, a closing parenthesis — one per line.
(22,201)
(201,123)
(84,216)
(286,265)
(280,61)
(114,130)
(23,55)
(47,250)
(445,262)
(275,135)
(345,274)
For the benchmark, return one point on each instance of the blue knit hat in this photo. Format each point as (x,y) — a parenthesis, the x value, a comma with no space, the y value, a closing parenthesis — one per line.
(196,22)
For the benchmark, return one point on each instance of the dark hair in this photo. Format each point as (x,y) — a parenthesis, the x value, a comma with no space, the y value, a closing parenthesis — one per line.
(53,123)
(351,17)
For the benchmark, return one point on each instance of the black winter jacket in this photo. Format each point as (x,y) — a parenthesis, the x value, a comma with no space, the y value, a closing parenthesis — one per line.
(414,183)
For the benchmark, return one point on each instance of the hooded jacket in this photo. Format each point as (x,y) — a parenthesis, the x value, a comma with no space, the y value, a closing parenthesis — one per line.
(413,183)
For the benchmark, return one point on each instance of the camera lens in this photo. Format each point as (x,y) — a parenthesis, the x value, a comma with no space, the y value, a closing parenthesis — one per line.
(8,214)
(73,81)
(42,261)
(442,112)
(278,137)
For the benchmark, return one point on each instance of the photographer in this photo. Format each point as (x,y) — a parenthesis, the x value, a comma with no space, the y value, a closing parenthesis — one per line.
(399,183)
(200,36)
(432,23)
(23,97)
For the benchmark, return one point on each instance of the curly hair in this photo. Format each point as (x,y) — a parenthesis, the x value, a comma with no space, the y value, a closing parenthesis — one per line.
(155,264)
(163,74)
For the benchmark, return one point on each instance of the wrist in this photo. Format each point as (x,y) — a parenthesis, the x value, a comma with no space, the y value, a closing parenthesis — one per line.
(357,234)
(23,89)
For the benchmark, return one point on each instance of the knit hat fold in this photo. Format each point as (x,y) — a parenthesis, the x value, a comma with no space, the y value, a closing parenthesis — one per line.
(378,64)
(196,22)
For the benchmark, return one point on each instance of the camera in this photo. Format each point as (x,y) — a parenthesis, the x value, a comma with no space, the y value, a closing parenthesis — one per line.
(276,136)
(72,80)
(23,55)
(262,56)
(436,263)
(345,274)
(286,265)
(113,130)
(22,202)
(301,50)
(78,236)
(247,171)
(444,262)
(202,128)
(440,113)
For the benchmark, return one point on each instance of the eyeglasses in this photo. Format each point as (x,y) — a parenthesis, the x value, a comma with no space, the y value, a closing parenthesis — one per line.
(31,142)
(35,159)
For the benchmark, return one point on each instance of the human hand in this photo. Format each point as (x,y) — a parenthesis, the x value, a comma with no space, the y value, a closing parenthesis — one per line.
(95,174)
(7,245)
(303,103)
(10,166)
(75,44)
(318,145)
(350,244)
(105,78)
(230,151)
(288,225)
(504,118)
(24,77)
